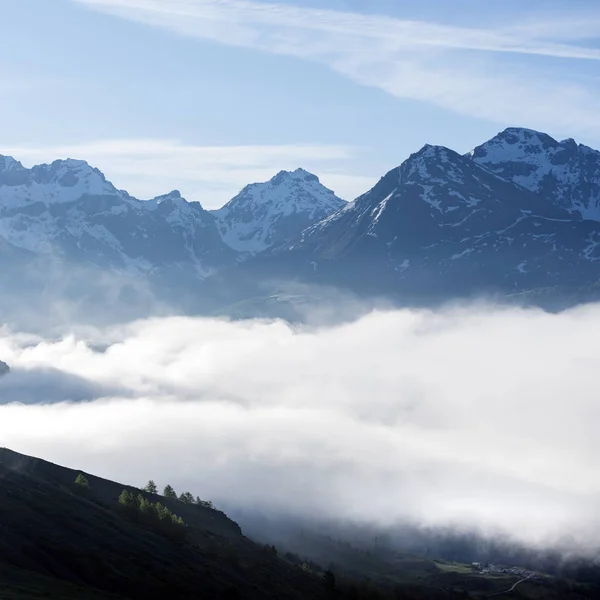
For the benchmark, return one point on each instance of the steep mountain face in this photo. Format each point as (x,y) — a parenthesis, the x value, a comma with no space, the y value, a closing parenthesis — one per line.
(65,541)
(565,173)
(70,211)
(266,214)
(518,214)
(442,225)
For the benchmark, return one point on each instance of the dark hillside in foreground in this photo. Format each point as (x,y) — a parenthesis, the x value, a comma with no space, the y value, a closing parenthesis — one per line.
(72,539)
(63,541)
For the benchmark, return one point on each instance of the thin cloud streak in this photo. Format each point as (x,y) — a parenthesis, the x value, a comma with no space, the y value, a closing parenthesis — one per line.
(396,31)
(456,68)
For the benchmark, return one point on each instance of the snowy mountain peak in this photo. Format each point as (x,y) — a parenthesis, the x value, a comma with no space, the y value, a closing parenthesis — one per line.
(172,195)
(68,173)
(62,181)
(297,175)
(569,143)
(433,164)
(514,143)
(264,214)
(9,163)
(523,134)
(566,173)
(431,152)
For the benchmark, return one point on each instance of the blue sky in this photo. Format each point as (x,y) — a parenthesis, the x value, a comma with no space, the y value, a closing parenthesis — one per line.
(208,95)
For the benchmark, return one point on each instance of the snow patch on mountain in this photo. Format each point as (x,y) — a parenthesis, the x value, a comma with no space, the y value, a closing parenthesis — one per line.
(265,214)
(61,182)
(566,173)
(69,210)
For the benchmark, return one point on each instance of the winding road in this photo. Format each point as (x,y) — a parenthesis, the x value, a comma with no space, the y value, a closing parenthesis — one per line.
(514,587)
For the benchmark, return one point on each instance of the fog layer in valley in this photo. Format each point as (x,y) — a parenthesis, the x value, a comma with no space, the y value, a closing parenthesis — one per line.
(478,417)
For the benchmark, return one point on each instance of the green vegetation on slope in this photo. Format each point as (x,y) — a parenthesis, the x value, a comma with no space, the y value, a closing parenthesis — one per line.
(66,535)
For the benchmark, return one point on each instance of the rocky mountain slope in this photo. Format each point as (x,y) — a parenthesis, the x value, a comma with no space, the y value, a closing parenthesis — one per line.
(70,211)
(565,173)
(519,215)
(444,225)
(267,214)
(70,240)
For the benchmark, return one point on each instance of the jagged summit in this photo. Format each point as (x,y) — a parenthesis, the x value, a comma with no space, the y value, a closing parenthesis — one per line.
(9,163)
(297,175)
(62,181)
(444,224)
(431,151)
(520,211)
(436,163)
(514,142)
(264,214)
(70,173)
(172,196)
(566,173)
(69,210)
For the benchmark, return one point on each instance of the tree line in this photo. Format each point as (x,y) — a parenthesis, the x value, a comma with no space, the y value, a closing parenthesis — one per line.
(185,497)
(149,511)
(152,514)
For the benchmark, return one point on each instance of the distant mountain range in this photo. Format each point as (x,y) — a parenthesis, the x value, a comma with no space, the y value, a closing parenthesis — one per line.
(519,215)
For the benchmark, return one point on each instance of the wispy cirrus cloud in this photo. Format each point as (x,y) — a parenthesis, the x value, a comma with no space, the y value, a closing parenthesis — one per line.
(489,73)
(210,174)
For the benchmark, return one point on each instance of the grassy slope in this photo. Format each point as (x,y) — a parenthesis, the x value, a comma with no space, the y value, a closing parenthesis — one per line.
(47,526)
(61,543)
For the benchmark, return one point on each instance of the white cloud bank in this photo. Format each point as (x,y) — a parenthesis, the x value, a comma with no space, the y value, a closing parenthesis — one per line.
(484,417)
(481,72)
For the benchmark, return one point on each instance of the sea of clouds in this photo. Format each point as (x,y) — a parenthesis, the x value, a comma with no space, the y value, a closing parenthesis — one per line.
(475,416)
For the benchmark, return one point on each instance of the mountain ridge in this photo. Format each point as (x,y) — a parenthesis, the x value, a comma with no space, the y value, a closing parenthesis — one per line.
(518,214)
(445,225)
(265,214)
(68,208)
(566,172)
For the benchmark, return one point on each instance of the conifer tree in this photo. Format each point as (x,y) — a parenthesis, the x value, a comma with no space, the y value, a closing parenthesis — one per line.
(146,507)
(161,511)
(81,480)
(151,487)
(127,499)
(186,498)
(204,503)
(169,492)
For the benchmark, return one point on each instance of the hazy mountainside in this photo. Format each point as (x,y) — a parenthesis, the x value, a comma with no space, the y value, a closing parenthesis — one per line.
(519,216)
(443,225)
(70,241)
(68,541)
(56,536)
(68,210)
(266,214)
